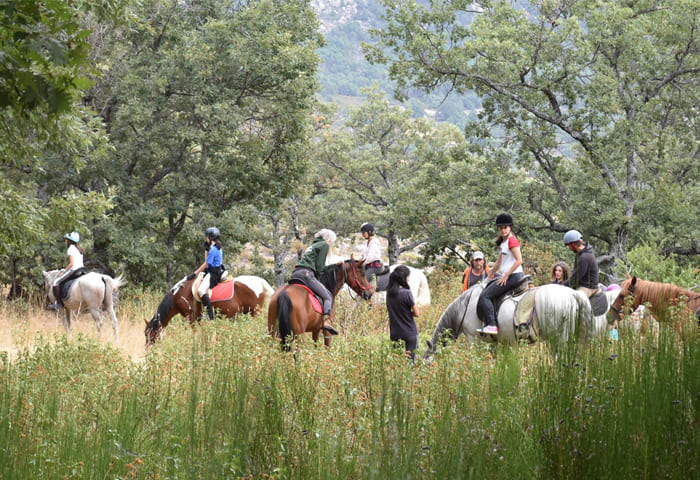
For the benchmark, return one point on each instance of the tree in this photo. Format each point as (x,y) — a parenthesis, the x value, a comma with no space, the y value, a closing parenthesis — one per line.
(597,101)
(374,166)
(206,104)
(44,70)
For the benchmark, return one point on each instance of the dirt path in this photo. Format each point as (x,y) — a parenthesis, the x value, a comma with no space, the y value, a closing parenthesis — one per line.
(20,329)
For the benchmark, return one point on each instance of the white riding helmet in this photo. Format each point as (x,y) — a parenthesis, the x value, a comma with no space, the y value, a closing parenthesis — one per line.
(572,236)
(72,236)
(326,234)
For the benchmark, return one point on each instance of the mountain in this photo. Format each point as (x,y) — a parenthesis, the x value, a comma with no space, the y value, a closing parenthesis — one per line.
(345,25)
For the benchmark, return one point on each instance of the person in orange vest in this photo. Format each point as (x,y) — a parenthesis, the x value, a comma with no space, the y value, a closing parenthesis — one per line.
(475,272)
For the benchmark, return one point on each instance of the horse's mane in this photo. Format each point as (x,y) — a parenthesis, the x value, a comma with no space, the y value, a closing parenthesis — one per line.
(329,278)
(163,309)
(657,292)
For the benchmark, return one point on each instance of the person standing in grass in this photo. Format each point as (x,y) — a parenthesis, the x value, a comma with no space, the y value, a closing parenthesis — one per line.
(402,310)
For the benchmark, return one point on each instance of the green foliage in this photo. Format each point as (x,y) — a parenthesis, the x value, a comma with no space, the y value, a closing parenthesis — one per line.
(647,263)
(589,100)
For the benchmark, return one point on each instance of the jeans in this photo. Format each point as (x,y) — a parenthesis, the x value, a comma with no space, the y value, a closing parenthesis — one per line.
(485,308)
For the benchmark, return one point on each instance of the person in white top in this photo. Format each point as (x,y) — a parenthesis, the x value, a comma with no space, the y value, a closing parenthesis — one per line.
(510,266)
(372,253)
(75,266)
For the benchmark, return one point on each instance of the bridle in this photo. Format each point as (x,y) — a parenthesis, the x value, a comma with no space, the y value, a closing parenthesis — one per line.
(618,310)
(355,281)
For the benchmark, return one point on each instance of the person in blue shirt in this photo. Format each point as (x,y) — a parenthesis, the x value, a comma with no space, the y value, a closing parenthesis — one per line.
(213,268)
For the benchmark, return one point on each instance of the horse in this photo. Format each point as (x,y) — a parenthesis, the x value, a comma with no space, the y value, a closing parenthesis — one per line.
(658,295)
(94,291)
(417,282)
(180,300)
(553,311)
(291,310)
(257,284)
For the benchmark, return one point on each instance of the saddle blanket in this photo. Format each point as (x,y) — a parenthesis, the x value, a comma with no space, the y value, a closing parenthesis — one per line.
(220,293)
(314,301)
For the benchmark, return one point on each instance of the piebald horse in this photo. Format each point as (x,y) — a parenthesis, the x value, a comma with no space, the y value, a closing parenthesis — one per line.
(180,300)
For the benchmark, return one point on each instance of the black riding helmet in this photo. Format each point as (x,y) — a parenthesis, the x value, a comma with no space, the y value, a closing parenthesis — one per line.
(367,227)
(504,219)
(213,233)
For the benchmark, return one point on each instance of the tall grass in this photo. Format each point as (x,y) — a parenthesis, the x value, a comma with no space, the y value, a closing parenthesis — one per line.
(222,401)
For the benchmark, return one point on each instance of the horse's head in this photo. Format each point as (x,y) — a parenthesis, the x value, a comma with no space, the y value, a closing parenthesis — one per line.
(356,278)
(153,331)
(627,288)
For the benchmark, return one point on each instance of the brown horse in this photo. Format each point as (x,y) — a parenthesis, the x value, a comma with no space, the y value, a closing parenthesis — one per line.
(181,300)
(658,295)
(292,313)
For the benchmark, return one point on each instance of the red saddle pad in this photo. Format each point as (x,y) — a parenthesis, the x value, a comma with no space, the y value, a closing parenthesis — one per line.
(314,301)
(222,292)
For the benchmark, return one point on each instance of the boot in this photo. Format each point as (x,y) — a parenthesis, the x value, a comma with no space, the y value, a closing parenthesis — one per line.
(57,304)
(210,309)
(327,325)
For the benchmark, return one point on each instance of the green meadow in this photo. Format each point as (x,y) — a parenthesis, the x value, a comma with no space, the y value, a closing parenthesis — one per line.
(222,401)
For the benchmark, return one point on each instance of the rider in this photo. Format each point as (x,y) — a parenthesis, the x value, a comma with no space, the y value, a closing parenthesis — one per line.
(310,267)
(584,276)
(509,264)
(476,272)
(213,266)
(372,252)
(75,266)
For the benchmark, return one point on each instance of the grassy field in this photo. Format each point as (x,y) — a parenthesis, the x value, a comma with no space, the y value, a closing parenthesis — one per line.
(221,401)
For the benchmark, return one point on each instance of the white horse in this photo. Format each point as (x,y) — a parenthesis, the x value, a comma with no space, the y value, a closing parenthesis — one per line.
(92,291)
(417,282)
(551,311)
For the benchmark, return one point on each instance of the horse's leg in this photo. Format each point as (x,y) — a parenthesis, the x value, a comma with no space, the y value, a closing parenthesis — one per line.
(115,322)
(66,321)
(97,316)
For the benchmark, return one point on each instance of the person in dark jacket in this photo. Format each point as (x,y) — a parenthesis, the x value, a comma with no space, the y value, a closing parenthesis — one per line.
(584,276)
(309,269)
(402,311)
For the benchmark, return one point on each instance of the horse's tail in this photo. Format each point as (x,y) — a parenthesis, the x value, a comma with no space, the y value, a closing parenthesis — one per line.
(585,313)
(423,291)
(112,290)
(284,311)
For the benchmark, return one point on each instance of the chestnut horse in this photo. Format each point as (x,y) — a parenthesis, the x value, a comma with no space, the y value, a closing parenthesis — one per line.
(658,295)
(292,313)
(180,300)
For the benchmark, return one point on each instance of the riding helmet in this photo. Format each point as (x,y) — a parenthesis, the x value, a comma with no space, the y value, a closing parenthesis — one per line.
(504,219)
(213,233)
(72,236)
(572,236)
(367,227)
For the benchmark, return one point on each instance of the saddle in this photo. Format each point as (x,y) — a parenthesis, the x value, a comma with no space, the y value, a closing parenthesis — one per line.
(220,293)
(599,303)
(514,294)
(382,279)
(67,285)
(315,301)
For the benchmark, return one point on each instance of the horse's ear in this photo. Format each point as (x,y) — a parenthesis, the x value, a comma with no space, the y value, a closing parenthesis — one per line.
(634,281)
(628,276)
(46,274)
